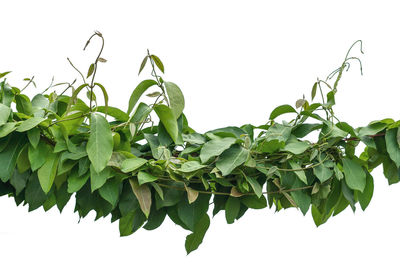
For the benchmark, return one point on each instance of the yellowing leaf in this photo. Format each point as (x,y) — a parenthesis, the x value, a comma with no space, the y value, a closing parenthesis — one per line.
(191,194)
(143,194)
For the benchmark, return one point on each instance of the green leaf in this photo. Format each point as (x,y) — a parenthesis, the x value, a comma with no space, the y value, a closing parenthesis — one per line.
(4,74)
(132,164)
(254,202)
(215,147)
(34,194)
(194,240)
(296,147)
(322,172)
(105,96)
(23,104)
(365,197)
(144,177)
(98,179)
(255,185)
(126,224)
(300,173)
(314,90)
(110,191)
(113,112)
(169,121)
(232,208)
(90,71)
(191,214)
(34,136)
(37,156)
(7,128)
(143,194)
(29,124)
(392,146)
(137,93)
(143,64)
(48,171)
(281,110)
(176,99)
(76,181)
(100,144)
(191,166)
(231,158)
(8,157)
(354,174)
(158,62)
(18,181)
(4,114)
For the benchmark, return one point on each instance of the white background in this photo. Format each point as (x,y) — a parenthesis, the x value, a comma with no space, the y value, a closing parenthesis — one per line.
(235,61)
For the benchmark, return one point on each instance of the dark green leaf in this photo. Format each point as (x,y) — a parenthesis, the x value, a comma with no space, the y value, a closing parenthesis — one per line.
(8,157)
(314,90)
(90,71)
(365,197)
(47,173)
(4,114)
(392,146)
(194,240)
(232,208)
(143,64)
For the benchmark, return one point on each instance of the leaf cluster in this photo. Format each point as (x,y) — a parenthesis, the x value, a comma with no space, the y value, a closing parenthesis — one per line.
(54,147)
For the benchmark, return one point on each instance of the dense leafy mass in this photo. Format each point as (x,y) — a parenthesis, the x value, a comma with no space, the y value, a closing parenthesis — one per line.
(57,146)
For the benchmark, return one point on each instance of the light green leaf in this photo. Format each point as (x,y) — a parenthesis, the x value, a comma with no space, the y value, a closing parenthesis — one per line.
(113,112)
(100,144)
(144,177)
(137,93)
(143,194)
(176,99)
(281,110)
(215,147)
(300,173)
(132,164)
(255,185)
(4,114)
(232,208)
(194,240)
(392,146)
(7,128)
(296,147)
(29,124)
(191,166)
(48,171)
(34,136)
(169,121)
(354,174)
(322,172)
(231,158)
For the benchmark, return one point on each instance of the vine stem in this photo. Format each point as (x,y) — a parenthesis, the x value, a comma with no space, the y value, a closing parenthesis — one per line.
(245,194)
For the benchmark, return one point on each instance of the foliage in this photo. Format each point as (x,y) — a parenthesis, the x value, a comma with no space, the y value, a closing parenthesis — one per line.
(57,146)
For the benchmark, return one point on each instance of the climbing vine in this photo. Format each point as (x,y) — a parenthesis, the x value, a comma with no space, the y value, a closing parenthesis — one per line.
(59,145)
